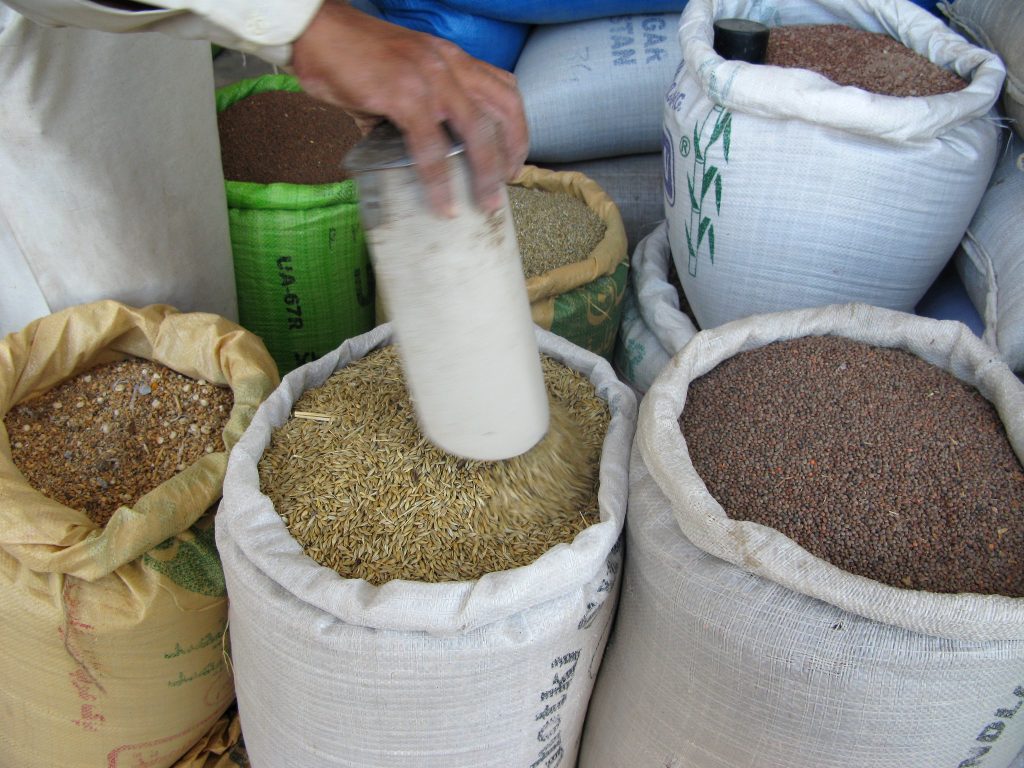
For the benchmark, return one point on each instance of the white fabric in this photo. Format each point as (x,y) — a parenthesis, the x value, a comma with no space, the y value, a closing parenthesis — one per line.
(110,176)
(593,89)
(991,258)
(262,27)
(653,326)
(494,672)
(735,648)
(999,26)
(806,193)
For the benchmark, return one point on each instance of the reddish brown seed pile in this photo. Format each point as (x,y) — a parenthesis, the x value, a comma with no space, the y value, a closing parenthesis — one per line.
(285,136)
(872,459)
(107,436)
(872,61)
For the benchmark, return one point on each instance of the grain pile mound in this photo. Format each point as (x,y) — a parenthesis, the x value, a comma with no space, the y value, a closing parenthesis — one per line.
(108,436)
(871,61)
(365,494)
(285,136)
(870,458)
(554,229)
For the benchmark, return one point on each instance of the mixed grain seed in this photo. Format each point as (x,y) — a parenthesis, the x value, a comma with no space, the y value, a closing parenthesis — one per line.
(106,437)
(365,494)
(553,228)
(871,61)
(870,458)
(285,136)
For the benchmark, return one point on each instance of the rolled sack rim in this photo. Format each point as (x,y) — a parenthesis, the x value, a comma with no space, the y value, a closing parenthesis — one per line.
(248,523)
(795,94)
(768,553)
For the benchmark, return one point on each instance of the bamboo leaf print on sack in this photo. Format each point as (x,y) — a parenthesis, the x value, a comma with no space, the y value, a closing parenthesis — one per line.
(710,177)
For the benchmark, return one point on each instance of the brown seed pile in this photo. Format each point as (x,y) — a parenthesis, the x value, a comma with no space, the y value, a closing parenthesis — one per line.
(285,136)
(365,494)
(108,436)
(870,458)
(871,61)
(553,228)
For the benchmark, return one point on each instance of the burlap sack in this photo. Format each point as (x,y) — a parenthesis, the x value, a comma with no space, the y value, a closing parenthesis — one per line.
(113,636)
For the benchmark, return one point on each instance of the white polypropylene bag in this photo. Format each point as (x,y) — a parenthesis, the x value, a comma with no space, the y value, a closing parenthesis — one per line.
(653,326)
(999,26)
(593,89)
(991,257)
(785,190)
(736,648)
(494,672)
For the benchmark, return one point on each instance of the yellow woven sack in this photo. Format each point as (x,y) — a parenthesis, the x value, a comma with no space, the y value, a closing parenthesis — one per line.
(113,636)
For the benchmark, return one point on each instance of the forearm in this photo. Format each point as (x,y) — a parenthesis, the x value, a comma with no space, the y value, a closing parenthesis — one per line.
(263,27)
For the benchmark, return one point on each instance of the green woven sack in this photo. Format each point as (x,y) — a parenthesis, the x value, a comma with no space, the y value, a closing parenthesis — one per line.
(590,315)
(302,270)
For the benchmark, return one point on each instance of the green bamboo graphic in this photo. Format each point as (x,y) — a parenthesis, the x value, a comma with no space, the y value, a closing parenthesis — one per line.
(709,177)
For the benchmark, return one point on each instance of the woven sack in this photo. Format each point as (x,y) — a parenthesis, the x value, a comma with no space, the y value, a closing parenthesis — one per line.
(302,271)
(990,260)
(496,672)
(113,636)
(654,327)
(999,26)
(594,89)
(785,190)
(734,646)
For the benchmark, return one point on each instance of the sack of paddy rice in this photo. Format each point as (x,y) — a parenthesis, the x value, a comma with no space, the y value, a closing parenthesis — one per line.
(999,26)
(826,520)
(594,89)
(302,270)
(635,183)
(656,321)
(990,260)
(785,189)
(575,261)
(116,427)
(437,611)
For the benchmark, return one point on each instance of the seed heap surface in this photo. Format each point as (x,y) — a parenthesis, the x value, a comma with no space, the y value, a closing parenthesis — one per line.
(871,61)
(872,459)
(553,228)
(284,136)
(365,494)
(108,436)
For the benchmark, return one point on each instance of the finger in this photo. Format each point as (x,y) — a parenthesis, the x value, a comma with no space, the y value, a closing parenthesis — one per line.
(497,93)
(428,145)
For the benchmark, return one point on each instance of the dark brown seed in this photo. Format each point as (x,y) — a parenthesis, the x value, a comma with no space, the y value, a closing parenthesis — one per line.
(872,61)
(285,136)
(870,458)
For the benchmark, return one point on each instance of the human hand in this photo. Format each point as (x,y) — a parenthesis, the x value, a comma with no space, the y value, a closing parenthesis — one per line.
(377,70)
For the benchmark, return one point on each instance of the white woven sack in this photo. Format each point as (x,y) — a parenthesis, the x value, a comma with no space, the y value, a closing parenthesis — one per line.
(634,182)
(806,193)
(494,672)
(991,257)
(594,89)
(736,648)
(653,326)
(999,26)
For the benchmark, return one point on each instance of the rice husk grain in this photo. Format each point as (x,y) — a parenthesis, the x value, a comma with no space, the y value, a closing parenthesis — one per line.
(367,495)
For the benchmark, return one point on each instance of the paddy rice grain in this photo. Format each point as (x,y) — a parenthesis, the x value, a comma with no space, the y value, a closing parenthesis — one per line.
(365,494)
